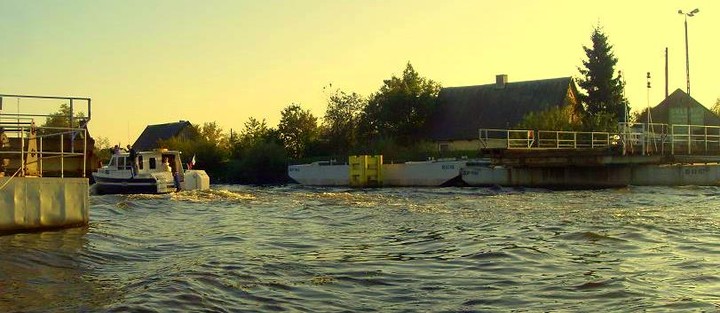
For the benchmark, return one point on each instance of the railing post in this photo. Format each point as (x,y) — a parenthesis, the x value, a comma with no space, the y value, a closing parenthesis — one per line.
(84,152)
(672,139)
(62,155)
(574,140)
(689,134)
(557,140)
(40,153)
(72,125)
(22,149)
(507,136)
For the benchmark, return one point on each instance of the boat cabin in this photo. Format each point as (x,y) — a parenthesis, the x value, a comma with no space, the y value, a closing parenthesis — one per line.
(148,161)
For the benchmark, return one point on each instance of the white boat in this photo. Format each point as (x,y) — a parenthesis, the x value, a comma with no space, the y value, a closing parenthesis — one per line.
(159,171)
(321,173)
(431,173)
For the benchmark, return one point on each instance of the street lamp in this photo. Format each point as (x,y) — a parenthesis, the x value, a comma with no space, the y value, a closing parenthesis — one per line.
(687,55)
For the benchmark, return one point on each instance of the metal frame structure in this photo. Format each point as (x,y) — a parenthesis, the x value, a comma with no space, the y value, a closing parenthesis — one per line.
(22,128)
(633,138)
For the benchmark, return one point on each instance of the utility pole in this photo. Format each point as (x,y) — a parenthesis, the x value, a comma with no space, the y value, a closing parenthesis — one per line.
(687,54)
(666,72)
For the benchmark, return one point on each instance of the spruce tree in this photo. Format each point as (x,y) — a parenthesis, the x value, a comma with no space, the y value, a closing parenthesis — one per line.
(603,87)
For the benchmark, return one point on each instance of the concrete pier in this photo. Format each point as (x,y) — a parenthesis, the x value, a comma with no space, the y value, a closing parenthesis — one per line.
(30,198)
(34,203)
(31,203)
(591,168)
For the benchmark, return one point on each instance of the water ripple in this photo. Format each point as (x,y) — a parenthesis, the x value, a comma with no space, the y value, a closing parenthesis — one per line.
(294,248)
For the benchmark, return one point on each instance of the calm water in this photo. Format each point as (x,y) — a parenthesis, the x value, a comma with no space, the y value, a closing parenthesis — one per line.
(272,249)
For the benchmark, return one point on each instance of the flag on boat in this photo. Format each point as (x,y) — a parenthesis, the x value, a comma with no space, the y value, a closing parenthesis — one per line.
(191,163)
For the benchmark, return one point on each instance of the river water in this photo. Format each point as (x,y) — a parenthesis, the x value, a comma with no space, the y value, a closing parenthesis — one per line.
(299,249)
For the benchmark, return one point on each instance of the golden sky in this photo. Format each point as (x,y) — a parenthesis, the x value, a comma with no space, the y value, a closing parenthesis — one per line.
(148,62)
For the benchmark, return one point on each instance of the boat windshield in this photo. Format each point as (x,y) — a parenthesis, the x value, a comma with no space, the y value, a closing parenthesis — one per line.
(113,161)
(118,161)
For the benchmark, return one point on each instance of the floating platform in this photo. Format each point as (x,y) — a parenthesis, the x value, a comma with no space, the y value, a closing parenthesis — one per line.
(685,155)
(31,200)
(369,171)
(42,203)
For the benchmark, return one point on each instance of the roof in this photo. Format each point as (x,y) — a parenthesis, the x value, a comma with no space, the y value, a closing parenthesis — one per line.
(661,112)
(462,111)
(153,133)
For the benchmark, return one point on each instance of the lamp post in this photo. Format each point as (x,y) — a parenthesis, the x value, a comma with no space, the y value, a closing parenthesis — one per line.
(687,55)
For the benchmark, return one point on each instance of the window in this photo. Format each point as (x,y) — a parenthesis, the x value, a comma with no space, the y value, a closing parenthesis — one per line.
(140,162)
(152,163)
(121,163)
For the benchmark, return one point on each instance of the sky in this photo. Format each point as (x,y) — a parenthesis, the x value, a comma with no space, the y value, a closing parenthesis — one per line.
(158,61)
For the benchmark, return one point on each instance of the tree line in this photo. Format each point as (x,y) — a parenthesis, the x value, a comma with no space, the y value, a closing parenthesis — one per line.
(390,121)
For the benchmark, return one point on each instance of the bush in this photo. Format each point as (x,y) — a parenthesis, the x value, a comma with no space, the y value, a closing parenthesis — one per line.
(264,163)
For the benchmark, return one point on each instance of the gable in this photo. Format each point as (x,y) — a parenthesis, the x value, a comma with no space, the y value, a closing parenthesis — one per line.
(152,134)
(675,108)
(462,111)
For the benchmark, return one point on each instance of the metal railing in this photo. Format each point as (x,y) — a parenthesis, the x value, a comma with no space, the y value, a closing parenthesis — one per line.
(546,139)
(572,139)
(508,138)
(695,139)
(26,151)
(24,146)
(633,138)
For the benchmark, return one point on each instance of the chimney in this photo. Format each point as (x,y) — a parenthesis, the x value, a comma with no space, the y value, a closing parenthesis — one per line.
(500,81)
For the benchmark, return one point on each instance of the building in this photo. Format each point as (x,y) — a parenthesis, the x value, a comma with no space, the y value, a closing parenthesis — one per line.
(679,108)
(153,134)
(463,111)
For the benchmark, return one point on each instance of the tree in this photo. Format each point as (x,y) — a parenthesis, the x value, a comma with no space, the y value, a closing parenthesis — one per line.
(298,129)
(716,107)
(207,143)
(102,149)
(61,118)
(555,118)
(213,134)
(258,156)
(400,108)
(604,88)
(340,123)
(255,133)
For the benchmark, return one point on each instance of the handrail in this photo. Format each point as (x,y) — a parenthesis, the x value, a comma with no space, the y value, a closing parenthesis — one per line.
(30,154)
(642,138)
(30,150)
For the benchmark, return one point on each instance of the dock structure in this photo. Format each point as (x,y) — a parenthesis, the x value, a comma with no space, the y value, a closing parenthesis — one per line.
(34,198)
(640,154)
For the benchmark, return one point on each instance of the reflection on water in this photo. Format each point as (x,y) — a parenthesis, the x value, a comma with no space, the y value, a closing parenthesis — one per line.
(48,269)
(239,248)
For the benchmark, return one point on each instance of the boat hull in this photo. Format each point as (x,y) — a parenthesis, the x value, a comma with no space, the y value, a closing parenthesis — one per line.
(547,177)
(573,177)
(409,174)
(151,185)
(156,171)
(320,175)
(422,174)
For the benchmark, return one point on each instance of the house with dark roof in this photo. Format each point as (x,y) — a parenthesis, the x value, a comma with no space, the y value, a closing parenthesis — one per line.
(463,111)
(679,108)
(153,134)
